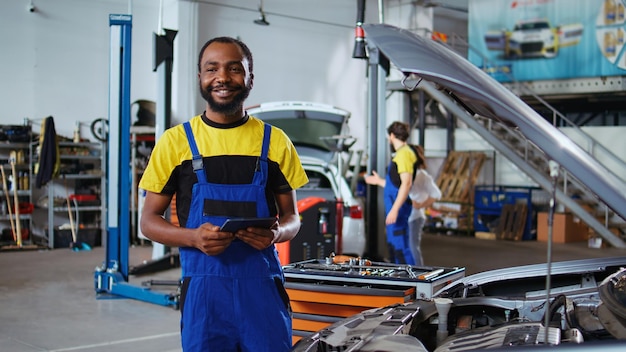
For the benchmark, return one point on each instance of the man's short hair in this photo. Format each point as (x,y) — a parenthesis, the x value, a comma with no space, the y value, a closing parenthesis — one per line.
(399,129)
(228,40)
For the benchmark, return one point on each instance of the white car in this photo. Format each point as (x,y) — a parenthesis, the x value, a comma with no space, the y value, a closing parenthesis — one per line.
(316,131)
(533,38)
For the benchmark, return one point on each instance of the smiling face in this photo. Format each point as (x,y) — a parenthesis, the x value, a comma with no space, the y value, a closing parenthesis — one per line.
(225,81)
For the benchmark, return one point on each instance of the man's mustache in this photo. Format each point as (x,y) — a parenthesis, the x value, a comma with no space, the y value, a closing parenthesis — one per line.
(226,86)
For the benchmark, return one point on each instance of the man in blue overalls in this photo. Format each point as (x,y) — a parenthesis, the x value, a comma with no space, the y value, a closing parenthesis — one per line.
(225,164)
(397,184)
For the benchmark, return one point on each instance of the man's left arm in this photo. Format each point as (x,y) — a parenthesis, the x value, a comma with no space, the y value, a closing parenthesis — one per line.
(289,217)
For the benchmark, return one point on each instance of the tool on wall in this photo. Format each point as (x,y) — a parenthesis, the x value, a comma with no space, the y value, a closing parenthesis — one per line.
(16,202)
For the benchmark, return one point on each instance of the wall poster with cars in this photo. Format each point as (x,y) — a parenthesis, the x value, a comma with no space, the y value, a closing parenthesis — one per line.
(525,40)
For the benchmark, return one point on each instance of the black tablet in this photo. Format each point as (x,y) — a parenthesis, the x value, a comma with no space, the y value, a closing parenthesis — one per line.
(234,224)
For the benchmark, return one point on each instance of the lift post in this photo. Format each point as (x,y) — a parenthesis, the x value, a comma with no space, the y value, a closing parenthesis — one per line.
(162,256)
(112,276)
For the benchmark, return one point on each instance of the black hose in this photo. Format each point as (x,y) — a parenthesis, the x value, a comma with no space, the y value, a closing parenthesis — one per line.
(100,129)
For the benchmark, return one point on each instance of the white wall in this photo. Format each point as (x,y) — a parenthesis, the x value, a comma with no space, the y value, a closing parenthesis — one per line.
(55,60)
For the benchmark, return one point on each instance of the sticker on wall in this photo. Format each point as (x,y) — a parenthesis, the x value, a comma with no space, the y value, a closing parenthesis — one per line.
(529,40)
(610,32)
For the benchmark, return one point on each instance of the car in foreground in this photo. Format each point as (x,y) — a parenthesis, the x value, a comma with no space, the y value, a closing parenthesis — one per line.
(503,309)
(320,134)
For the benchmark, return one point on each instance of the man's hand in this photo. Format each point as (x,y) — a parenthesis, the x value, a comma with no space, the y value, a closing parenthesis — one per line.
(373,179)
(391,217)
(210,240)
(257,237)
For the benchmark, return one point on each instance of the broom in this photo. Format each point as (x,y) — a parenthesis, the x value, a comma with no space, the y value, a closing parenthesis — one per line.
(6,193)
(16,201)
(75,245)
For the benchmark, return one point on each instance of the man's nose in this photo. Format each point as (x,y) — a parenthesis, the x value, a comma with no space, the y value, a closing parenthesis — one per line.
(222,75)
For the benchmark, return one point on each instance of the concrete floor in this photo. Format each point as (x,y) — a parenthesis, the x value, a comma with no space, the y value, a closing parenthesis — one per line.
(48,301)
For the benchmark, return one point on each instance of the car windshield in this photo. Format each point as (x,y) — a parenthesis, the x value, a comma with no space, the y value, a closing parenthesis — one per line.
(305,128)
(318,186)
(531,25)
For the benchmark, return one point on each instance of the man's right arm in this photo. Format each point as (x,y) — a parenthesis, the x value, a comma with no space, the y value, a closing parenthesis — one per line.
(206,238)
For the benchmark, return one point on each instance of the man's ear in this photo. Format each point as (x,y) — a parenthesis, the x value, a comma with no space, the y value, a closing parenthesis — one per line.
(251,80)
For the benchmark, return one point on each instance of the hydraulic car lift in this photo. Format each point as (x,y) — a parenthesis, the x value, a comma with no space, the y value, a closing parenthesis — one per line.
(112,277)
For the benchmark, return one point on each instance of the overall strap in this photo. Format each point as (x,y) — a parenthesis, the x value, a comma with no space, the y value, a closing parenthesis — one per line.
(261,170)
(266,141)
(196,161)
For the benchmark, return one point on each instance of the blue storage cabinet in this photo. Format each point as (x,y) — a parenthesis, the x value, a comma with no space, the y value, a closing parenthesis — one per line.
(489,201)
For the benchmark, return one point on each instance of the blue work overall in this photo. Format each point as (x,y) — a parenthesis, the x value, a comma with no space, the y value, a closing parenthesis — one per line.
(397,233)
(234,301)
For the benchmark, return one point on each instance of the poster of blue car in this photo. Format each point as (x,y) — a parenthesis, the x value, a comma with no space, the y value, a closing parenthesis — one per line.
(526,40)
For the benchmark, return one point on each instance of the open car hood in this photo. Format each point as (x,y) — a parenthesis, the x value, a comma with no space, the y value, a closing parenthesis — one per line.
(480,94)
(312,127)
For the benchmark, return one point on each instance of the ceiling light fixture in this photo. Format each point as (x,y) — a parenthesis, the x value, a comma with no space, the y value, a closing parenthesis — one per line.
(261,20)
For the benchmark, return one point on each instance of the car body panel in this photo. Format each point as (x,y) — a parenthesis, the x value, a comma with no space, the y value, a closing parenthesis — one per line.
(353,234)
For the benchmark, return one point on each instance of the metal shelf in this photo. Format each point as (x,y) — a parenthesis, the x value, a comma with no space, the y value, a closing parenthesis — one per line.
(95,180)
(79,208)
(22,217)
(82,176)
(79,157)
(24,193)
(20,193)
(12,145)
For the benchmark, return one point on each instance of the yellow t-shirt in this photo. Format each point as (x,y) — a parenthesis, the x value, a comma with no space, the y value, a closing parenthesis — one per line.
(229,154)
(404,160)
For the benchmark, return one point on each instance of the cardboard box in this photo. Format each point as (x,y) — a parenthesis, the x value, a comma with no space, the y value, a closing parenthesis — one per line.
(564,228)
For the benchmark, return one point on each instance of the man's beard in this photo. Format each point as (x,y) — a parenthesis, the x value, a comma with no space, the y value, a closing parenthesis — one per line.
(229,108)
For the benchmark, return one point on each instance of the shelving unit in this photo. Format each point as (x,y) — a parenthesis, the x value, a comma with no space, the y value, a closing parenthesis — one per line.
(22,185)
(142,137)
(82,183)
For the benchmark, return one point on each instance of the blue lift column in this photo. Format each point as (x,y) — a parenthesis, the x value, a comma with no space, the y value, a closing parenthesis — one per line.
(112,277)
